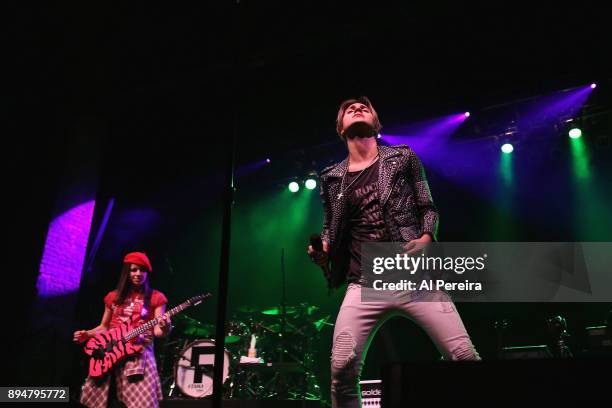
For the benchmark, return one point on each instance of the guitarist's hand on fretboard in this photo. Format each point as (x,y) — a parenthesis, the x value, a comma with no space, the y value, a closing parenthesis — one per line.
(165,324)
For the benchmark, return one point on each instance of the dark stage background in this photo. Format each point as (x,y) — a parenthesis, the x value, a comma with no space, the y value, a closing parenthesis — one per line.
(137,104)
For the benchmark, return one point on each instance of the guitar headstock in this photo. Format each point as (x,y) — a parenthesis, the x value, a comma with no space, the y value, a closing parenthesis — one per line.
(198,299)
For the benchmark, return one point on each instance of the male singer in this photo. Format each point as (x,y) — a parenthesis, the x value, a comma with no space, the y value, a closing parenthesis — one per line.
(377,193)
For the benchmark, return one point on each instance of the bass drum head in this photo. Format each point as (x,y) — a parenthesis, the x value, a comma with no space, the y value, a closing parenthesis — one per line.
(194,368)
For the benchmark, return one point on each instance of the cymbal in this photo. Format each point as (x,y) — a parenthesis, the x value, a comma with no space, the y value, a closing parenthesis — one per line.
(203,332)
(186,320)
(276,328)
(232,339)
(276,310)
(248,309)
(319,324)
(310,309)
(301,309)
(208,333)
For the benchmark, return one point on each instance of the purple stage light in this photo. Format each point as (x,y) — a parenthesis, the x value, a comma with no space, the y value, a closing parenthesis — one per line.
(249,168)
(64,253)
(550,109)
(593,85)
(429,136)
(467,114)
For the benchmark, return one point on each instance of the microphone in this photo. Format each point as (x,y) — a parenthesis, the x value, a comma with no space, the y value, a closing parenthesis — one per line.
(316,242)
(317,245)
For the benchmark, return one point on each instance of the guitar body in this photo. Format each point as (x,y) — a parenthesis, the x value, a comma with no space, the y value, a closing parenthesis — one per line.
(109,348)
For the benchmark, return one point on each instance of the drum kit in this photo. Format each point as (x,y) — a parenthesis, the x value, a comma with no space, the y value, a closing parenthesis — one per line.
(269,353)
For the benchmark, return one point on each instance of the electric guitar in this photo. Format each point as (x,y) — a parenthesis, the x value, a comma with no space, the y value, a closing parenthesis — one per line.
(112,346)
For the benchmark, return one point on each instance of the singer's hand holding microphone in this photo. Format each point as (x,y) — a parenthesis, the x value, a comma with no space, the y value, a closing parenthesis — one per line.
(318,251)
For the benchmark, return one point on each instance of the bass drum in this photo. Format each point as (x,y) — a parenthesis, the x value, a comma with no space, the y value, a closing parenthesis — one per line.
(194,369)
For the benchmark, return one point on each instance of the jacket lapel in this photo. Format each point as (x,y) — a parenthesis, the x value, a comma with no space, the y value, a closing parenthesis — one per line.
(338,170)
(387,168)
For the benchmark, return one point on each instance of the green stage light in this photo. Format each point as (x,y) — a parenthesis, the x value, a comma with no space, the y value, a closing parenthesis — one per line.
(507,148)
(294,187)
(311,184)
(575,133)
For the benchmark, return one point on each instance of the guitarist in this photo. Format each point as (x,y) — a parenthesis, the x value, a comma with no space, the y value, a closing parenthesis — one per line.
(137,380)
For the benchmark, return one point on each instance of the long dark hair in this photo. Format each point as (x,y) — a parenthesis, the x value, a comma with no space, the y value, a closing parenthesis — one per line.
(125,285)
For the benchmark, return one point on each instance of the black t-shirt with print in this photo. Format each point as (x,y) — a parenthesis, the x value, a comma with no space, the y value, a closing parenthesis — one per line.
(365,220)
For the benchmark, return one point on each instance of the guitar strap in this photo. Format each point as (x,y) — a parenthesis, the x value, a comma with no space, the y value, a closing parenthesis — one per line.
(147,299)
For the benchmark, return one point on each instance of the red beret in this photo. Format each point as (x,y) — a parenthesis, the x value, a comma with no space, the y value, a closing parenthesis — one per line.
(138,258)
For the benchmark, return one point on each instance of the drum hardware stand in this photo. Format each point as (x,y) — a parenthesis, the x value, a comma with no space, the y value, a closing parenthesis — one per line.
(501,326)
(177,356)
(290,373)
(175,351)
(171,392)
(284,385)
(558,327)
(283,306)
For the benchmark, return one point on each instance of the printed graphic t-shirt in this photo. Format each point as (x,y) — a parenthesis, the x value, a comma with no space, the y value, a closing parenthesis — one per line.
(133,306)
(365,222)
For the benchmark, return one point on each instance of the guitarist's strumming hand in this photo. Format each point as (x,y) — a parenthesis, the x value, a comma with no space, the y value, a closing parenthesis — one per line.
(145,338)
(80,336)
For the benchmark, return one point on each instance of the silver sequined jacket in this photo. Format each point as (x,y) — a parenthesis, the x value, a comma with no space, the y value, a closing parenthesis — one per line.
(405,200)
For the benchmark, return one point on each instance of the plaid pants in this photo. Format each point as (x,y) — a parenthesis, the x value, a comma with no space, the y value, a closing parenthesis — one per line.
(137,381)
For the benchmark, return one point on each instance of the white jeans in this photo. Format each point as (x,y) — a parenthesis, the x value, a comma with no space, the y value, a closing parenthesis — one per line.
(358,321)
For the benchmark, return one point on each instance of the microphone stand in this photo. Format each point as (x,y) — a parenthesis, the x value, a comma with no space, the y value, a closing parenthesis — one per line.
(280,380)
(283,306)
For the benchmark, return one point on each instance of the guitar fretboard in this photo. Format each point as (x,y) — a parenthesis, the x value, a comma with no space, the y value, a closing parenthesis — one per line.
(177,309)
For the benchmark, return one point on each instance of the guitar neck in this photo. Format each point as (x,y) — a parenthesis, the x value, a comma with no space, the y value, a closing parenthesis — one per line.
(151,323)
